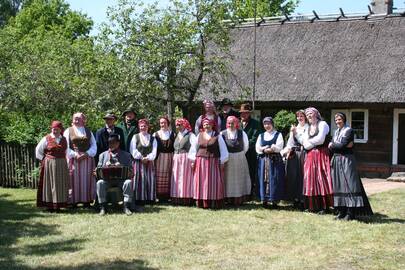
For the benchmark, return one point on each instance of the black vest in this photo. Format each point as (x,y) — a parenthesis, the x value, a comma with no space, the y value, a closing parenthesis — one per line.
(236,145)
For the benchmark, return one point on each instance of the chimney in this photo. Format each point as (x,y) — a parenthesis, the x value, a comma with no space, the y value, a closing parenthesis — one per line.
(382,6)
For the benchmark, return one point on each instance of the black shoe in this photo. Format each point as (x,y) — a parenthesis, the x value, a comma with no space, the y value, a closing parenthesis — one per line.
(138,209)
(340,215)
(127,211)
(348,217)
(322,212)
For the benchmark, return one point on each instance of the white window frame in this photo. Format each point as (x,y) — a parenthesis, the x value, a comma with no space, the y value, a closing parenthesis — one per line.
(348,113)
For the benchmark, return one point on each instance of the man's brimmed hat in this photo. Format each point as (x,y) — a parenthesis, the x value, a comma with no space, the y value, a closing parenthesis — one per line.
(246,107)
(110,115)
(130,109)
(226,101)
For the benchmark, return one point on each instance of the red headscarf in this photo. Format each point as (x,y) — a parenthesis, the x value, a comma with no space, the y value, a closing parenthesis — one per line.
(233,119)
(211,122)
(57,124)
(184,122)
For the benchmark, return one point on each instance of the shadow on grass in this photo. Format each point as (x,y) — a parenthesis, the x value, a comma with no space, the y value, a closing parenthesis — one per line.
(16,222)
(378,218)
(113,265)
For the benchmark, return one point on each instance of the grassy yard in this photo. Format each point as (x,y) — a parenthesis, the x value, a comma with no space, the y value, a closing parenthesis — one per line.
(167,237)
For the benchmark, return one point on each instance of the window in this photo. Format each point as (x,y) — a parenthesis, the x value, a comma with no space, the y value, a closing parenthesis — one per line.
(357,119)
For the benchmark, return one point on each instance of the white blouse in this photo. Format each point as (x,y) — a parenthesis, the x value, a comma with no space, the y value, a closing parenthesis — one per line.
(301,132)
(80,131)
(42,145)
(323,130)
(268,136)
(233,135)
(223,150)
(145,142)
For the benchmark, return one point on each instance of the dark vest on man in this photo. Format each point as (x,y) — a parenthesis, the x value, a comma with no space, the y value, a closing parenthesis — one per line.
(235,145)
(208,148)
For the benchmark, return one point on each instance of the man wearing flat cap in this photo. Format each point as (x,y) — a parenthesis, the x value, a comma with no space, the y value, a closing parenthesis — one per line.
(252,128)
(115,157)
(227,110)
(129,126)
(103,133)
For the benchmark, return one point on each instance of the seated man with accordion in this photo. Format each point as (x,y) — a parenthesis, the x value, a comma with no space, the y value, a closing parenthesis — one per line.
(114,169)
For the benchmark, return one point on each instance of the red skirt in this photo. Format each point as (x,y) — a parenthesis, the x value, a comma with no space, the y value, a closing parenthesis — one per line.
(317,190)
(208,183)
(163,174)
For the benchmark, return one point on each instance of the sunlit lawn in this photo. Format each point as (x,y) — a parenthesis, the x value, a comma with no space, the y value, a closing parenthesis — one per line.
(167,237)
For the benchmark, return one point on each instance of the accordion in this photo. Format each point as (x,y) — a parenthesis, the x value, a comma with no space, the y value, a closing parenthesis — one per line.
(113,173)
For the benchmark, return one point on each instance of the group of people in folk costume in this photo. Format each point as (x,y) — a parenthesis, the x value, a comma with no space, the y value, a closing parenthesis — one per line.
(229,158)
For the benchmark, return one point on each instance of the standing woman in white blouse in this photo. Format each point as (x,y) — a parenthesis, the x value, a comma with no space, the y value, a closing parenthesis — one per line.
(143,148)
(317,191)
(295,156)
(236,175)
(271,167)
(82,148)
(164,161)
(53,187)
(209,155)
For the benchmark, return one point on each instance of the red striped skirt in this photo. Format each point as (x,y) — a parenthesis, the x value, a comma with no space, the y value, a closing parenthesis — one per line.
(317,191)
(182,177)
(208,183)
(163,174)
(82,181)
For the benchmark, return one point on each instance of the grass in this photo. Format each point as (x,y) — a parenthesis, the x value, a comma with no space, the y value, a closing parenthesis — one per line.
(167,237)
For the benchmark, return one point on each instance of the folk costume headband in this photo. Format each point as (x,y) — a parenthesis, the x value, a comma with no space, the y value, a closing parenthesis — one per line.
(268,119)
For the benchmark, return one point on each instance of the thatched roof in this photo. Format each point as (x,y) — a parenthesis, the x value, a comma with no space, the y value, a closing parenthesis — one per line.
(326,61)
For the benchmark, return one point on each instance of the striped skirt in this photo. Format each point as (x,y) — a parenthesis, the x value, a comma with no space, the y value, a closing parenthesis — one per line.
(208,183)
(182,179)
(317,191)
(163,173)
(53,187)
(144,184)
(82,180)
(237,177)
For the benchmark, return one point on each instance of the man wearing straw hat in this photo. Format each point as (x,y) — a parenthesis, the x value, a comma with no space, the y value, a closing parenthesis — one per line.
(103,133)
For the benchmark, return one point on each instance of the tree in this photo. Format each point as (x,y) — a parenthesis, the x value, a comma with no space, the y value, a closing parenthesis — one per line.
(164,50)
(48,68)
(243,9)
(8,9)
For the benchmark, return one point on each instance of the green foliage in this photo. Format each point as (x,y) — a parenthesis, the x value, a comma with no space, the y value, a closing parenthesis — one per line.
(283,121)
(146,57)
(264,8)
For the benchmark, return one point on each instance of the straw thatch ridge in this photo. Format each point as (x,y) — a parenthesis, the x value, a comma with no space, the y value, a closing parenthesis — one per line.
(342,61)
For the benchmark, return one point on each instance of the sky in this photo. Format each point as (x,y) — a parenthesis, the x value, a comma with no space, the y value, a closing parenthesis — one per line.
(97,9)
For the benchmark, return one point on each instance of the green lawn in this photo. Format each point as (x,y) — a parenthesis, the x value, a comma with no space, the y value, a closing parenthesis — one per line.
(167,237)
